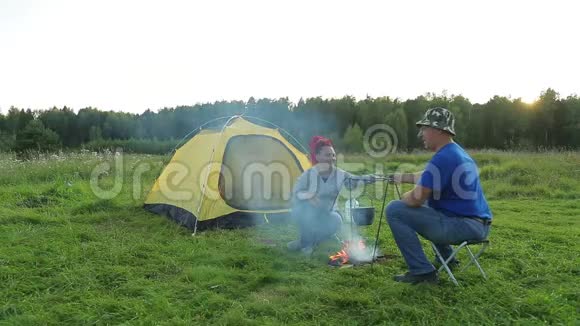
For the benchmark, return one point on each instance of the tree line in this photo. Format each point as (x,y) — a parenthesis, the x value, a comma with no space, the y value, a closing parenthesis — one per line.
(500,123)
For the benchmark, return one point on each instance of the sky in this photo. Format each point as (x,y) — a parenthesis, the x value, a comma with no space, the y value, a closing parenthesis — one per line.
(137,55)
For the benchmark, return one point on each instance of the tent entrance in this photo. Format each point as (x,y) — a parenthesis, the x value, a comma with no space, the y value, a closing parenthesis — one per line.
(250,178)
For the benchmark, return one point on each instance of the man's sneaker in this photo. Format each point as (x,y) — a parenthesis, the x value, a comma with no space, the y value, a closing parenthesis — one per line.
(294,245)
(452,264)
(430,277)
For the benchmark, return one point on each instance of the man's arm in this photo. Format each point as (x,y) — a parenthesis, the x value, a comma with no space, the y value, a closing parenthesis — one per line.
(412,178)
(417,196)
(351,181)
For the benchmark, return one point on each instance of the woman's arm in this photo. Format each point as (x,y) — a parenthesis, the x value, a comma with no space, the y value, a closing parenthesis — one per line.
(305,188)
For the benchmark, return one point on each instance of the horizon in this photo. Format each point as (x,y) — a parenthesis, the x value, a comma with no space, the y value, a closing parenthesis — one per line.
(442,94)
(134,56)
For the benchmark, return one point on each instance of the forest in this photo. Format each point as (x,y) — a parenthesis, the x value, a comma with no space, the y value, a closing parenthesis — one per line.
(551,122)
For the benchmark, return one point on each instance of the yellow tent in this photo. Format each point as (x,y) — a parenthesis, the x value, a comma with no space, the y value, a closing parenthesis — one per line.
(228,176)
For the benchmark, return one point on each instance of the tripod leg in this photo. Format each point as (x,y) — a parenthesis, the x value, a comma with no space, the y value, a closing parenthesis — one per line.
(351,212)
(380,224)
(398,192)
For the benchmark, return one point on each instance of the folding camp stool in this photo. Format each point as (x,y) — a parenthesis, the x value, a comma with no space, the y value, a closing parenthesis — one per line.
(473,258)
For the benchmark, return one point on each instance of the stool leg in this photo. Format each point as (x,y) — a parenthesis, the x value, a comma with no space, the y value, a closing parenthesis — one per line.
(474,259)
(484,246)
(450,258)
(444,263)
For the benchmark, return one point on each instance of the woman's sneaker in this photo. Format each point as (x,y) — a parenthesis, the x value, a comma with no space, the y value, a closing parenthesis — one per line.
(294,245)
(307,251)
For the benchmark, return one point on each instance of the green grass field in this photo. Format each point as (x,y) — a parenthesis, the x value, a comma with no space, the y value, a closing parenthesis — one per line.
(68,257)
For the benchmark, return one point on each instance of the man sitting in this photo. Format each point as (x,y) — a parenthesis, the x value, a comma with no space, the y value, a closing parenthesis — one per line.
(456,207)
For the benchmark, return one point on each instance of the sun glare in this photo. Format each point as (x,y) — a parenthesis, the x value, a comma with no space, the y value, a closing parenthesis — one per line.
(530,100)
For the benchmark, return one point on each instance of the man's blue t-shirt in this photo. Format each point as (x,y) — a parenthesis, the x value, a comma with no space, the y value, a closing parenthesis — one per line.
(453,176)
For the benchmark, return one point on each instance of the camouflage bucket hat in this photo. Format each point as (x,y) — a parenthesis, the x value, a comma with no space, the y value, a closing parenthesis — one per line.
(438,118)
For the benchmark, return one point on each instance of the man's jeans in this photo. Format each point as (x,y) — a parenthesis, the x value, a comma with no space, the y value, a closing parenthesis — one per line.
(315,225)
(406,222)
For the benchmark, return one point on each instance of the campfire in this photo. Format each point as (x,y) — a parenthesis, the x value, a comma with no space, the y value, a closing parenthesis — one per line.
(353,252)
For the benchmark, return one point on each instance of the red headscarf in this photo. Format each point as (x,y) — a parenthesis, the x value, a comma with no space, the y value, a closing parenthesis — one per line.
(315,143)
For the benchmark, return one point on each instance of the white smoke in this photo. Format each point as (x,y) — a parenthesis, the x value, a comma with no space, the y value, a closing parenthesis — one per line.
(359,249)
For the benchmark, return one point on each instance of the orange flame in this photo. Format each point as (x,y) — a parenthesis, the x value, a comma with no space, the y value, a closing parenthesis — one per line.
(342,257)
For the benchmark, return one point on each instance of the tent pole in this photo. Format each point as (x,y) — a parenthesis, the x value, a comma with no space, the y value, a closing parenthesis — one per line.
(281,129)
(196,129)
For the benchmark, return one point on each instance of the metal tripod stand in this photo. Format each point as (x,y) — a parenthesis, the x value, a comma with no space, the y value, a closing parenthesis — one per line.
(388,181)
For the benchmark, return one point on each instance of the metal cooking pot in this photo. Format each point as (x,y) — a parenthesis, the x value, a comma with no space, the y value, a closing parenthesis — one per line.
(363,215)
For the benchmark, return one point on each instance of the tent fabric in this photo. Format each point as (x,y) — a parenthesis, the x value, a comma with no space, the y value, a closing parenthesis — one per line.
(258,153)
(231,174)
(231,221)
